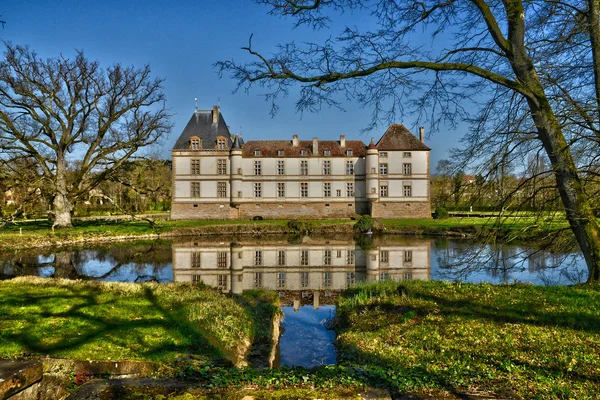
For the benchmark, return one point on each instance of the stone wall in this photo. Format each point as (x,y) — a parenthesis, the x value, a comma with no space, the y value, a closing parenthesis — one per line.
(203,211)
(302,210)
(401,210)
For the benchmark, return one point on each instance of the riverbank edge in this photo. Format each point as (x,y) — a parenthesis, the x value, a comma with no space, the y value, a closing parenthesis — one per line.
(76,236)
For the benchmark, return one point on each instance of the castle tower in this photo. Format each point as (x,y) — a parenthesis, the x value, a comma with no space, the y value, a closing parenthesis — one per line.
(372,164)
(236,172)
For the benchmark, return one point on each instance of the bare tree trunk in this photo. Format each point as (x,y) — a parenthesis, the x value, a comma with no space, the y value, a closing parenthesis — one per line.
(62,205)
(577,206)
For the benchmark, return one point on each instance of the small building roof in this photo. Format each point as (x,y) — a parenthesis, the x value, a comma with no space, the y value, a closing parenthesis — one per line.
(397,137)
(270,148)
(201,125)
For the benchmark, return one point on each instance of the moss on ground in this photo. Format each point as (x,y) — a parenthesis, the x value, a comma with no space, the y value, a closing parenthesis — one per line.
(123,321)
(536,342)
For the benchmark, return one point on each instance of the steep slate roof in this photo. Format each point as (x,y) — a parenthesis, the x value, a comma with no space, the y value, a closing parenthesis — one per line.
(201,125)
(269,148)
(397,137)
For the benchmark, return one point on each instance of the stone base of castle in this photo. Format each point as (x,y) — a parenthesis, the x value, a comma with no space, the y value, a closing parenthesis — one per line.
(225,211)
(401,210)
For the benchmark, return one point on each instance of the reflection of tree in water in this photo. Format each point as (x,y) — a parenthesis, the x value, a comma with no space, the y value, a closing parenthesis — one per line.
(464,260)
(97,263)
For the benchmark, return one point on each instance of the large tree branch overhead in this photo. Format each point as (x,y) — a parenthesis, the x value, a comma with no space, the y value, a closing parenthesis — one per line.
(525,74)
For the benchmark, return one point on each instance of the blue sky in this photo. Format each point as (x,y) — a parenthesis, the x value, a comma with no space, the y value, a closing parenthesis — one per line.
(181,40)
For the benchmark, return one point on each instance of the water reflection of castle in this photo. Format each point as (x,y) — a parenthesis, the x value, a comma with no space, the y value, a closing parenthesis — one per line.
(312,266)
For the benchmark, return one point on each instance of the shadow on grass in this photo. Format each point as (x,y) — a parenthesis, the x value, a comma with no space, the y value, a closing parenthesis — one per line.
(95,327)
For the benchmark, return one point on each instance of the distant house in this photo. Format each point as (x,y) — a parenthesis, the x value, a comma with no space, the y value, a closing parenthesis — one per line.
(216,175)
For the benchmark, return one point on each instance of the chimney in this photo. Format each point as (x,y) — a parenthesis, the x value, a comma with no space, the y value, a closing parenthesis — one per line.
(315,149)
(422,134)
(215,114)
(343,140)
(295,140)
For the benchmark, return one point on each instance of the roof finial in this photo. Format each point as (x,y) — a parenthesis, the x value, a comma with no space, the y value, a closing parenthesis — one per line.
(196,100)
(219,101)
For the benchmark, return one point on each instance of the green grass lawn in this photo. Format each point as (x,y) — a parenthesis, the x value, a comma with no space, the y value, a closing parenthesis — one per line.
(537,342)
(123,321)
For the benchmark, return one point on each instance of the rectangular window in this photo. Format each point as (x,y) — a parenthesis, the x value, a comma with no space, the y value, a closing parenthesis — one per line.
(338,192)
(406,169)
(281,280)
(222,259)
(221,189)
(258,189)
(349,153)
(326,167)
(303,152)
(195,167)
(304,257)
(221,144)
(222,282)
(350,279)
(327,257)
(257,152)
(281,167)
(383,154)
(196,258)
(196,278)
(408,256)
(195,189)
(326,153)
(407,276)
(326,279)
(304,189)
(407,154)
(349,189)
(383,168)
(349,168)
(339,254)
(304,279)
(258,261)
(384,256)
(384,276)
(383,191)
(350,257)
(221,167)
(280,153)
(258,279)
(327,189)
(281,258)
(195,144)
(280,189)
(407,190)
(257,168)
(303,167)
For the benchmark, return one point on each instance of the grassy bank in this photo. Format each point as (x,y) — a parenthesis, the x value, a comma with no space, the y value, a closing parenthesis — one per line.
(21,235)
(535,342)
(121,321)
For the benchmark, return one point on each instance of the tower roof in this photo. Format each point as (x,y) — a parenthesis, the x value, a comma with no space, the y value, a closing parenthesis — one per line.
(201,125)
(397,137)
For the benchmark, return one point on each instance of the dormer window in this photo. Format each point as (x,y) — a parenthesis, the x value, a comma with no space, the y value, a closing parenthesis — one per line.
(349,152)
(326,153)
(257,152)
(303,152)
(280,153)
(221,143)
(195,143)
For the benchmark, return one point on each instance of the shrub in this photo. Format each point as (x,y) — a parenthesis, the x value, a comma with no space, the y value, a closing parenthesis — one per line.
(364,224)
(440,213)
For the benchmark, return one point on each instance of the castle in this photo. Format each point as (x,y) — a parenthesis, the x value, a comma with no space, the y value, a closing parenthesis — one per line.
(216,175)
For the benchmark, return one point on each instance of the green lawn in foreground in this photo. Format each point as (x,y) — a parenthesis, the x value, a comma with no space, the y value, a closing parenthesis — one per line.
(539,342)
(122,321)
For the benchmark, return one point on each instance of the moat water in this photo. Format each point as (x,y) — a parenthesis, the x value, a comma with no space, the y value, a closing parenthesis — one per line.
(307,273)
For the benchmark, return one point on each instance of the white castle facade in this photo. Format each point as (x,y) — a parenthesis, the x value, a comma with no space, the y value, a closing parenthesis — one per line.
(216,175)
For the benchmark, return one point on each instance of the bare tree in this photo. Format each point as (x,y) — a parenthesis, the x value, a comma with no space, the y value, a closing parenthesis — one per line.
(65,112)
(535,66)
